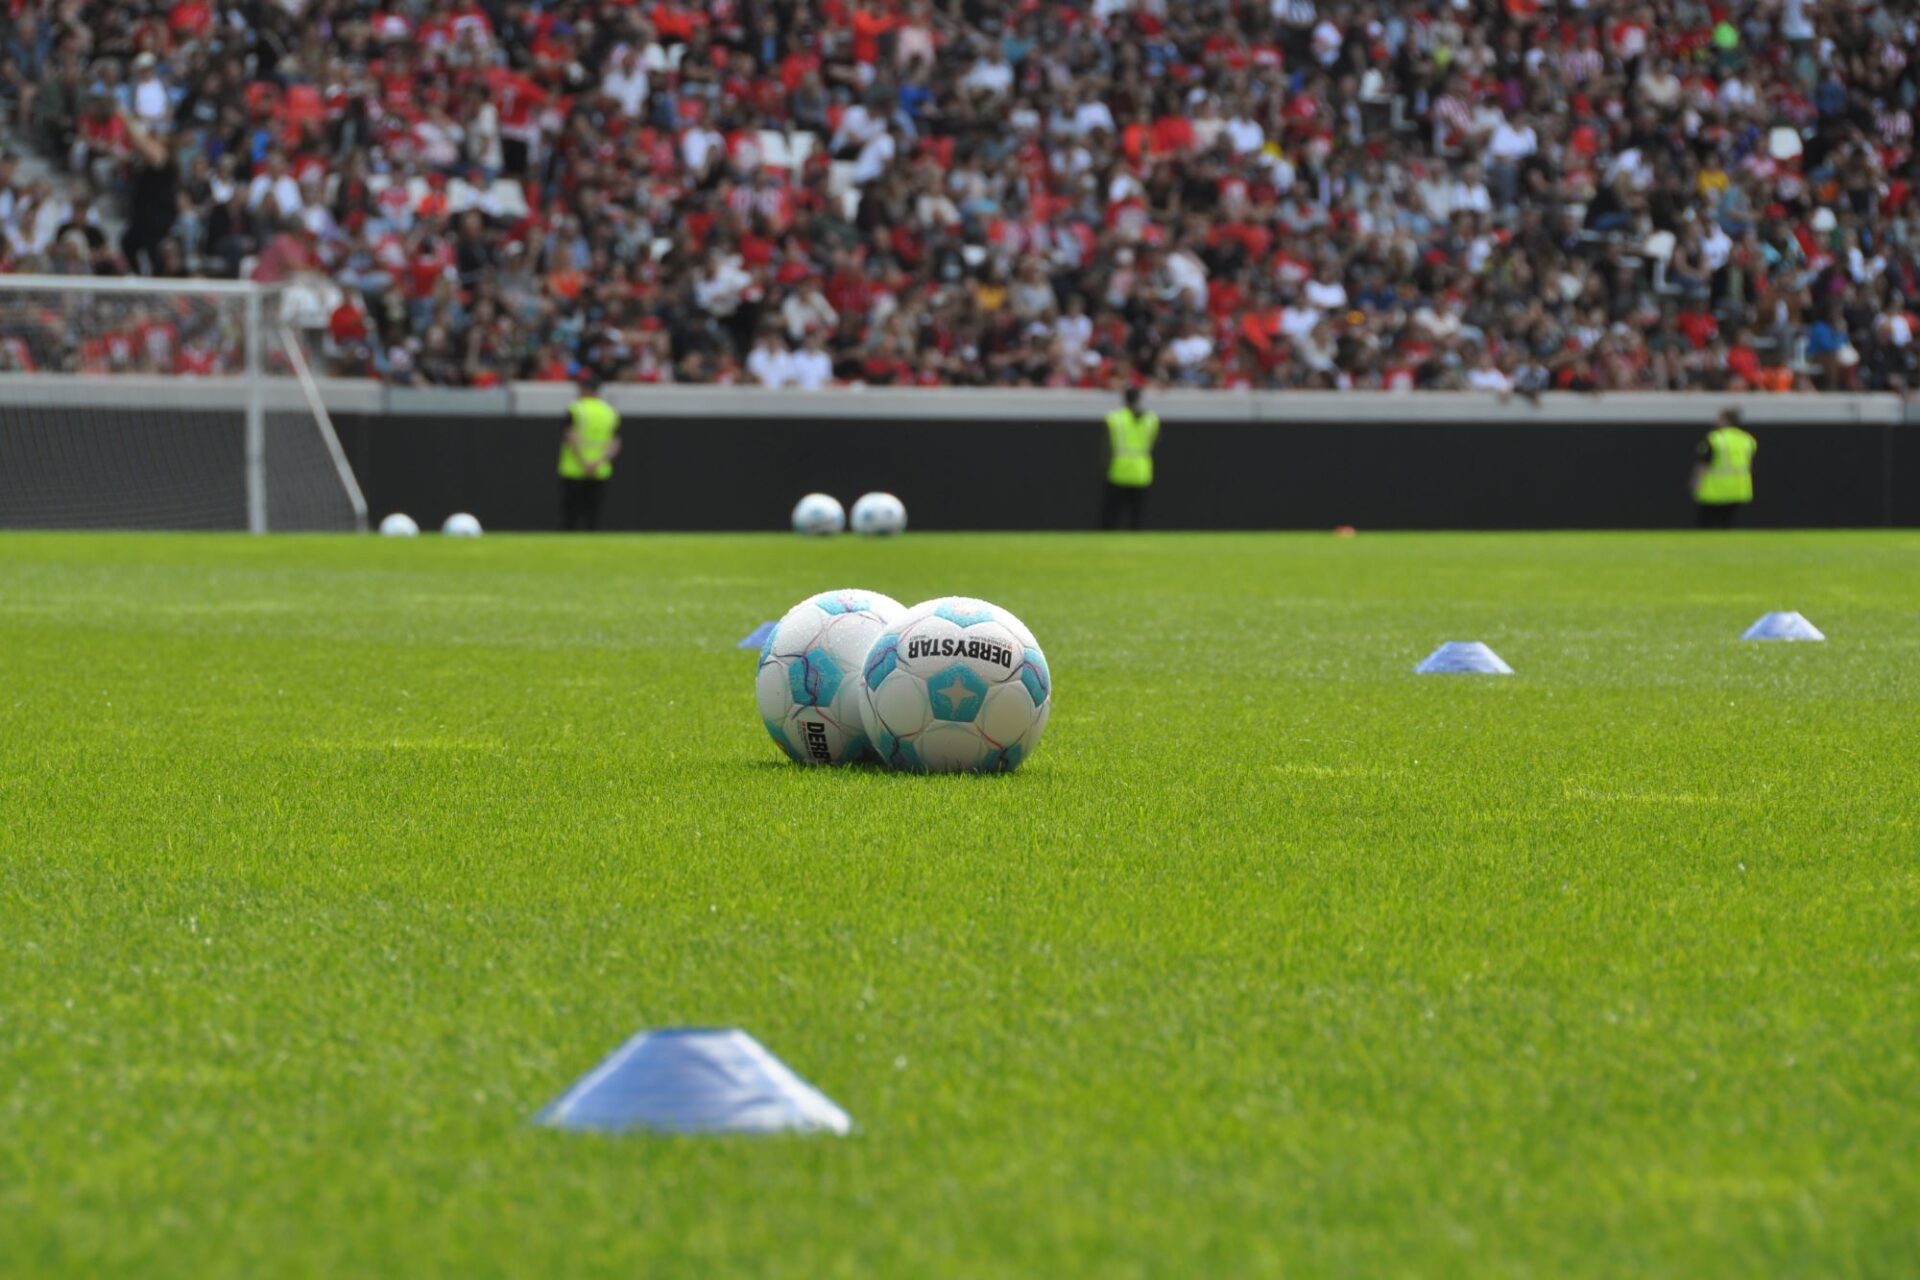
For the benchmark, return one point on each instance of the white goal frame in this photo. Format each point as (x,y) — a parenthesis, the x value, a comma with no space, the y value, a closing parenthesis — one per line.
(259,308)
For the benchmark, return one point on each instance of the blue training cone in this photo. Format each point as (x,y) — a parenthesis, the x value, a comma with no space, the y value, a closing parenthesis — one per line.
(1782,626)
(694,1080)
(1463,657)
(756,637)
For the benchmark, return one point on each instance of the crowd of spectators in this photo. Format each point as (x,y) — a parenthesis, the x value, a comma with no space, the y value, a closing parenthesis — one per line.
(1512,195)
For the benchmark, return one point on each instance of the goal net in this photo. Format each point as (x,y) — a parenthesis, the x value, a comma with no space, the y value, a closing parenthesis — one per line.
(162,404)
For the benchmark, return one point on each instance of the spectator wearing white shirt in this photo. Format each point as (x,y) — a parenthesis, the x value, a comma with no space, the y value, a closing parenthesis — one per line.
(1074,329)
(440,140)
(1736,95)
(701,147)
(1204,116)
(315,216)
(1298,318)
(1074,160)
(483,141)
(721,285)
(1326,42)
(991,75)
(874,158)
(812,366)
(1794,23)
(1508,147)
(1325,292)
(657,58)
(1192,349)
(276,188)
(859,125)
(1243,132)
(627,82)
(1486,375)
(1031,294)
(1716,246)
(932,207)
(152,104)
(1485,118)
(1185,277)
(1298,14)
(770,363)
(1093,116)
(806,310)
(1658,86)
(1511,143)
(42,216)
(914,37)
(1469,194)
(1060,121)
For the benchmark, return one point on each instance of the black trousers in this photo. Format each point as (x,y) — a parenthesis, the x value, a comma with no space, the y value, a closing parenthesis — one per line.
(514,154)
(1716,515)
(1124,503)
(580,503)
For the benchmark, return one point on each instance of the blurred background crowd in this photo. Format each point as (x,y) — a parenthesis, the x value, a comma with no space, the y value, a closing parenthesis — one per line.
(1512,195)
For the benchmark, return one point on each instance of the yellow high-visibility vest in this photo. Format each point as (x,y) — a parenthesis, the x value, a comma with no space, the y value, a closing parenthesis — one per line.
(1132,436)
(596,421)
(1729,474)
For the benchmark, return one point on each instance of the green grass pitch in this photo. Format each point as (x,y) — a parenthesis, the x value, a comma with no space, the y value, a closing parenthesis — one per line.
(325,862)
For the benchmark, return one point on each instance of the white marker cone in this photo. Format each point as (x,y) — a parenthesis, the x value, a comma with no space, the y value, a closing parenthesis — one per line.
(694,1080)
(1782,626)
(1463,657)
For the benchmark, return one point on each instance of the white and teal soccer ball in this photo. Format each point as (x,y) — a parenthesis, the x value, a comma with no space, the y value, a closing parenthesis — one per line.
(879,515)
(398,525)
(956,684)
(819,514)
(808,684)
(461,525)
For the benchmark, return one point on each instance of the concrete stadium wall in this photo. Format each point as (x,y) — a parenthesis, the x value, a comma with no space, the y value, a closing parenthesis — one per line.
(736,458)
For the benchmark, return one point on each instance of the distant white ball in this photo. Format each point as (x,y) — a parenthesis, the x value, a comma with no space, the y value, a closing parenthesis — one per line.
(819,514)
(398,525)
(808,682)
(879,515)
(461,525)
(956,684)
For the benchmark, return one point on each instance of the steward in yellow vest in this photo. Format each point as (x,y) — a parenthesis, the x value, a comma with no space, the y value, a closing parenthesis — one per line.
(587,452)
(1131,435)
(1723,478)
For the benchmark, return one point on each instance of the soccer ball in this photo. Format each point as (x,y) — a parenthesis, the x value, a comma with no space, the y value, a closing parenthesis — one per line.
(808,684)
(819,514)
(955,685)
(398,525)
(880,514)
(461,525)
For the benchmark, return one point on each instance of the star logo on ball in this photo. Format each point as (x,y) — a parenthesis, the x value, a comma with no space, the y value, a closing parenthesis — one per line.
(956,693)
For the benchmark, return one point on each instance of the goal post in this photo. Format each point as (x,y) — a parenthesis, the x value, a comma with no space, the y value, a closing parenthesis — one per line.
(163,404)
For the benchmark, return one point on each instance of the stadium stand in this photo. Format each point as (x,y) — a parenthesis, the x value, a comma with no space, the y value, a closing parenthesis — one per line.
(1493,194)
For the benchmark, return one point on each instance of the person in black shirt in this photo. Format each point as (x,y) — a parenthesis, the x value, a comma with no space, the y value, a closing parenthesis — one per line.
(153,199)
(473,254)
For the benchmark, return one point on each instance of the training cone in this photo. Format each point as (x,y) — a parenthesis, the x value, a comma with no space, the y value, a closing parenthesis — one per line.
(756,637)
(694,1080)
(1463,657)
(1782,626)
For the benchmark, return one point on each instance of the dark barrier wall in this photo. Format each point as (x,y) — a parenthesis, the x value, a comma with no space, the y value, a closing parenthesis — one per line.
(745,474)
